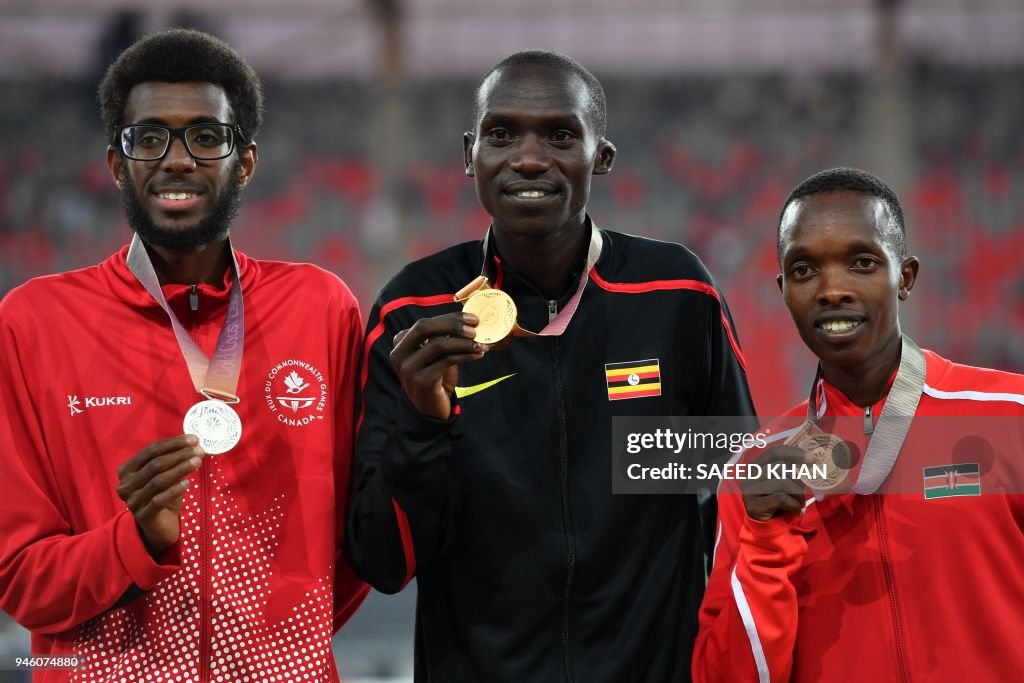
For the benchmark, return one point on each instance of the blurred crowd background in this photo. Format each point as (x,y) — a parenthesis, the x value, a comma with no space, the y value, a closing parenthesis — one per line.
(718,108)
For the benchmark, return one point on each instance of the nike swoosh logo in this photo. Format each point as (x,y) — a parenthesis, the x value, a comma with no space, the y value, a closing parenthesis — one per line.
(462,392)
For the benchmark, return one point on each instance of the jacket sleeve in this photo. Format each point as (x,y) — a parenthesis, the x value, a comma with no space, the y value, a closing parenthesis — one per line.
(349,589)
(54,577)
(399,479)
(748,619)
(725,389)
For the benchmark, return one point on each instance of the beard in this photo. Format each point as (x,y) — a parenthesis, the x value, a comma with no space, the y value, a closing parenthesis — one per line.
(209,229)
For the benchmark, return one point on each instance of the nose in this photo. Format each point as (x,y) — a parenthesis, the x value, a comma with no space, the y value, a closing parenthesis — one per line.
(178,159)
(834,287)
(530,157)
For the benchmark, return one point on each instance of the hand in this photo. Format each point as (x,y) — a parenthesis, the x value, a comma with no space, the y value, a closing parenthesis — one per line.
(765,498)
(152,485)
(426,358)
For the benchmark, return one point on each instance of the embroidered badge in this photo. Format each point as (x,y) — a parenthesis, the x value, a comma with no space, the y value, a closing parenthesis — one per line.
(633,379)
(945,481)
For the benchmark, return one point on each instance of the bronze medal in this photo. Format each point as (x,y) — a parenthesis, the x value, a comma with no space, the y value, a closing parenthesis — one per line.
(496,311)
(826,449)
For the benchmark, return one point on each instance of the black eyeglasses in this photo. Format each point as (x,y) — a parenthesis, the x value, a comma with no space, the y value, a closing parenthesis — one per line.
(204,141)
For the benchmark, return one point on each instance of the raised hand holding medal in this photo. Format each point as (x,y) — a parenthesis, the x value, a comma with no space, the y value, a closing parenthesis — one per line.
(426,356)
(497,311)
(888,434)
(494,309)
(825,449)
(212,420)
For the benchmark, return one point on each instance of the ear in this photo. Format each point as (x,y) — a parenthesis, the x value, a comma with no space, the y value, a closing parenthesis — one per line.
(467,152)
(249,157)
(114,161)
(604,158)
(908,276)
(778,281)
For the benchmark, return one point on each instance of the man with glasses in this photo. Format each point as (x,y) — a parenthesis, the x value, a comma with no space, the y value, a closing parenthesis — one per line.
(177,420)
(485,472)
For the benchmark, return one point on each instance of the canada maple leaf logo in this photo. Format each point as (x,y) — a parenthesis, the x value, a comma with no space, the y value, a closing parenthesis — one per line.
(295,383)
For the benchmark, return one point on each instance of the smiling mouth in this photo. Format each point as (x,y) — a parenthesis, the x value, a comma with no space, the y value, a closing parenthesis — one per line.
(531,194)
(839,326)
(177,196)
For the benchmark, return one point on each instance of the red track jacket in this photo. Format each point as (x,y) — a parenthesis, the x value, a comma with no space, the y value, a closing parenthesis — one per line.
(90,373)
(894,587)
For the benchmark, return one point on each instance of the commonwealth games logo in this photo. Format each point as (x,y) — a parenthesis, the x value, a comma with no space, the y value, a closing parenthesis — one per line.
(296,384)
(296,392)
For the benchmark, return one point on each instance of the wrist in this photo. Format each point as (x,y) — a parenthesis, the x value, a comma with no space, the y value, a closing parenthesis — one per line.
(155,547)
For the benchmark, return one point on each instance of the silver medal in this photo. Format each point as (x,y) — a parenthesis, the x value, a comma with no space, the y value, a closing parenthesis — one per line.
(216,424)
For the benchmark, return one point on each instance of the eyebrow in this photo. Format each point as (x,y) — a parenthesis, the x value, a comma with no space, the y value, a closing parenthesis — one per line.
(854,247)
(870,247)
(558,120)
(157,121)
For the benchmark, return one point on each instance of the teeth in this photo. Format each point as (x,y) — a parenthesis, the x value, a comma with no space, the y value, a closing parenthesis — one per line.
(531,194)
(839,325)
(176,195)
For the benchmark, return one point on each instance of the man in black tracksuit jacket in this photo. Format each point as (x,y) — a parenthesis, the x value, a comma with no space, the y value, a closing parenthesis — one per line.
(485,472)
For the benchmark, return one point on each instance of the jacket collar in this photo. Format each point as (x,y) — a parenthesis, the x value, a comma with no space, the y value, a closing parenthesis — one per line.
(126,287)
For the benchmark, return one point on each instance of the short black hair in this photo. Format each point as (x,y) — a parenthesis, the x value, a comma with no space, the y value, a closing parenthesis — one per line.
(179,56)
(854,180)
(566,65)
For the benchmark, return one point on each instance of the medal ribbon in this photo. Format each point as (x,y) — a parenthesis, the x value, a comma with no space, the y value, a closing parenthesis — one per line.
(561,321)
(894,422)
(215,377)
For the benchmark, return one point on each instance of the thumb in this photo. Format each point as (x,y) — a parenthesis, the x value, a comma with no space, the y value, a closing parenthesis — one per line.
(450,379)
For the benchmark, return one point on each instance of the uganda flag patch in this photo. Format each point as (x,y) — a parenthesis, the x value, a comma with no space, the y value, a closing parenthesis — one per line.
(945,481)
(634,379)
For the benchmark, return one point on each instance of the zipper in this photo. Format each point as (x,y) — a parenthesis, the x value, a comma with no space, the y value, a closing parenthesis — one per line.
(205,580)
(206,590)
(890,588)
(552,310)
(869,426)
(570,536)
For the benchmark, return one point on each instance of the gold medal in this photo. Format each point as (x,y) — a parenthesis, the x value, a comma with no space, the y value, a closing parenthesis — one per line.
(496,312)
(826,449)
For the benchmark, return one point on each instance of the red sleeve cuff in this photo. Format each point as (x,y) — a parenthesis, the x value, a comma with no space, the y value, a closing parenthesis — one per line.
(145,572)
(779,539)
(765,530)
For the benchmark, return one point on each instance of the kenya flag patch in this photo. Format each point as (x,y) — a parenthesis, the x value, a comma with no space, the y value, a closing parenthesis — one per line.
(946,481)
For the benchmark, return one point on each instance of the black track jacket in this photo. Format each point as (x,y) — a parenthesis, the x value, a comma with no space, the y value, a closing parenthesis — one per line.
(528,568)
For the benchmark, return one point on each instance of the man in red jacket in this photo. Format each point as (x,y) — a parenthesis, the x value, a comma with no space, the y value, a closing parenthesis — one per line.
(909,570)
(177,419)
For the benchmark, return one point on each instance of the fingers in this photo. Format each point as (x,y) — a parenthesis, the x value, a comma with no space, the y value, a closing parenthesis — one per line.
(766,497)
(160,480)
(169,498)
(423,352)
(428,364)
(426,358)
(781,455)
(154,450)
(461,325)
(763,508)
(771,487)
